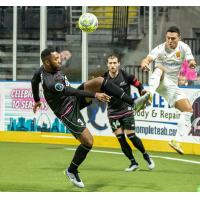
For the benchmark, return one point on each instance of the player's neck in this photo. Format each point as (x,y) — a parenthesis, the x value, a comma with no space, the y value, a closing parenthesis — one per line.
(47,69)
(113,75)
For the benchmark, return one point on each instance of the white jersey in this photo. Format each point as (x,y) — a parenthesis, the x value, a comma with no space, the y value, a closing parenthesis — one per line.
(171,59)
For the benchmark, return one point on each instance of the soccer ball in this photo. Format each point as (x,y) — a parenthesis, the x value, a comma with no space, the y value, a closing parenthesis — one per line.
(88,22)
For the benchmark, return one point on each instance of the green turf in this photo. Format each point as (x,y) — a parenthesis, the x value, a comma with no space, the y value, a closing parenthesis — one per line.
(39,167)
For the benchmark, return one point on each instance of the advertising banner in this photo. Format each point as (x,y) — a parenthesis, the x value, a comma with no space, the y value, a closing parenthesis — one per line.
(156,122)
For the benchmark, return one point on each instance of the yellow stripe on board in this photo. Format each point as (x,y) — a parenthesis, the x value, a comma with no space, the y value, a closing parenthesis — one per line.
(99,141)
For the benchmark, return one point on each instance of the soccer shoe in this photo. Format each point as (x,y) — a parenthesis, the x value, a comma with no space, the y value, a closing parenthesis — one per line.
(74,178)
(140,102)
(176,146)
(149,160)
(132,167)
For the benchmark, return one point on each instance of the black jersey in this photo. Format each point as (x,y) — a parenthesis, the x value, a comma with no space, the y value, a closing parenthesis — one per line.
(57,90)
(116,107)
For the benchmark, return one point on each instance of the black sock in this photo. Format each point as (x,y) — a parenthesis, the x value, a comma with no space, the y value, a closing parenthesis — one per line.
(126,149)
(137,142)
(79,157)
(113,90)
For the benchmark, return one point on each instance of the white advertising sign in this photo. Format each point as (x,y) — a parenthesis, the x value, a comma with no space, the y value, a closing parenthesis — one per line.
(157,121)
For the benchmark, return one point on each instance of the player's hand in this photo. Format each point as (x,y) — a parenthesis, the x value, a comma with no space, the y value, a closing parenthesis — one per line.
(192,64)
(143,92)
(36,106)
(102,97)
(145,66)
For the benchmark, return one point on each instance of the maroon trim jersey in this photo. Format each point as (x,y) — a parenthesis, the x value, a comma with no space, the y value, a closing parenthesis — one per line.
(116,107)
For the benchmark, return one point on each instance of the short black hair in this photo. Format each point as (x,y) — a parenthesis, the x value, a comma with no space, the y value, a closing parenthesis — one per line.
(46,52)
(114,55)
(174,29)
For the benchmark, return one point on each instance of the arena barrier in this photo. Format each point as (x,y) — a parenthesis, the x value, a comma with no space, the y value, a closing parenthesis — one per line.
(155,125)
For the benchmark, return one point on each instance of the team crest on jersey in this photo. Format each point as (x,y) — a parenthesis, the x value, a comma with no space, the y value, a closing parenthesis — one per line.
(59,87)
(178,54)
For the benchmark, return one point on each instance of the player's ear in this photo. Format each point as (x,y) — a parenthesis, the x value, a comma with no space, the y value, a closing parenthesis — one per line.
(46,62)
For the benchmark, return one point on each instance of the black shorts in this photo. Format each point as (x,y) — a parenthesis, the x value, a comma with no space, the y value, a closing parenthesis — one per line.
(126,123)
(74,120)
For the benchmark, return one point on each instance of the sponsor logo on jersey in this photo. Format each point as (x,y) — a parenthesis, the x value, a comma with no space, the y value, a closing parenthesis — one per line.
(123,83)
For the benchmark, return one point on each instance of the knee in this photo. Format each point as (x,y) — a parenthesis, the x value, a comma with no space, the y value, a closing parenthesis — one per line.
(100,80)
(187,109)
(190,110)
(89,142)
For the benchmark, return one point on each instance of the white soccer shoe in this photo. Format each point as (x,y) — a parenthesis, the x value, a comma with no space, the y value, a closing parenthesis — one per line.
(131,168)
(176,146)
(151,165)
(74,178)
(142,101)
(149,160)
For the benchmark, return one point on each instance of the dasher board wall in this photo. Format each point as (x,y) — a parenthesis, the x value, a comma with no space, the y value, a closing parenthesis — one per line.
(155,125)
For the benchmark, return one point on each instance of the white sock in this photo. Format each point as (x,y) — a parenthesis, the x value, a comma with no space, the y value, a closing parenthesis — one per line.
(184,125)
(154,80)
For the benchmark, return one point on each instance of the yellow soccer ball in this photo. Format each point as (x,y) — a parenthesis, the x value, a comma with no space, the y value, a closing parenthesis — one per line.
(88,22)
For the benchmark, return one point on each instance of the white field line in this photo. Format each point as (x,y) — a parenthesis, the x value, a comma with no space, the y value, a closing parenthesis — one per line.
(163,157)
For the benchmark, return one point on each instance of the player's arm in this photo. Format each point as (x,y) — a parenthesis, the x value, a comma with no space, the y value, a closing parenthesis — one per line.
(136,83)
(35,82)
(146,62)
(82,93)
(70,91)
(189,57)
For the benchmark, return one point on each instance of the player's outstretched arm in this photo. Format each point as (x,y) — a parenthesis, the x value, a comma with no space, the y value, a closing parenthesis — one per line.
(35,82)
(145,63)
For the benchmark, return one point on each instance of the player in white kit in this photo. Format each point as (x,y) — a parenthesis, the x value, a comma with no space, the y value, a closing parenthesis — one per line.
(168,58)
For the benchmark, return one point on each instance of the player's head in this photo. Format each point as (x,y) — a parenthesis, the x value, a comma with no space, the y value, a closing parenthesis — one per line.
(182,80)
(51,59)
(65,58)
(113,63)
(172,37)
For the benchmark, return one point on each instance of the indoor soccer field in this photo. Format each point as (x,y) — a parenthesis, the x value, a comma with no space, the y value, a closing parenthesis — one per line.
(31,167)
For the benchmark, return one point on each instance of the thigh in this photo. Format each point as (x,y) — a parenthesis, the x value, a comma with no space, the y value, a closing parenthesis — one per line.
(128,124)
(94,85)
(115,125)
(74,121)
(83,101)
(170,91)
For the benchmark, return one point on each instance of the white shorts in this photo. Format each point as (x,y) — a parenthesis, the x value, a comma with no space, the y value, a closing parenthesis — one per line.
(170,91)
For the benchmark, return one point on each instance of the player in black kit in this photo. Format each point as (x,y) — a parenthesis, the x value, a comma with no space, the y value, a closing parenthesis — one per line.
(120,113)
(66,103)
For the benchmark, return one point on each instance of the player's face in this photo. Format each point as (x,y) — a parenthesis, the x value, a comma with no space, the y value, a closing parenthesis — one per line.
(172,40)
(55,61)
(113,65)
